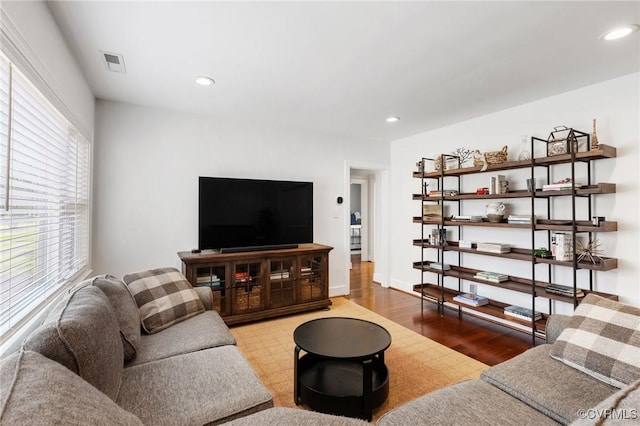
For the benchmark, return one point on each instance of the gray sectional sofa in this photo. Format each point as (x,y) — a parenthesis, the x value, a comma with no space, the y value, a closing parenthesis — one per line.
(587,373)
(87,362)
(189,373)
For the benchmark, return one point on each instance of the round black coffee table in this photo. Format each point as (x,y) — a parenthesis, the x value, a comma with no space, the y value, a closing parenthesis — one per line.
(343,370)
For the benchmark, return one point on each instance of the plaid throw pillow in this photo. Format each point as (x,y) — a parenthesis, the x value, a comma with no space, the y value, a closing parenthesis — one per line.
(602,340)
(164,297)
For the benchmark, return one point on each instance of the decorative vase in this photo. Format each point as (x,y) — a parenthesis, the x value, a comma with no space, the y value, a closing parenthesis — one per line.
(495,212)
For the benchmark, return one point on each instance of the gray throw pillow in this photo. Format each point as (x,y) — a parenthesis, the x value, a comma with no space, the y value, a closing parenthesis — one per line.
(126,310)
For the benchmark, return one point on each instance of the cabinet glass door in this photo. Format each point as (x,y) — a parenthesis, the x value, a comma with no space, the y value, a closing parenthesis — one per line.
(311,278)
(248,287)
(215,277)
(281,279)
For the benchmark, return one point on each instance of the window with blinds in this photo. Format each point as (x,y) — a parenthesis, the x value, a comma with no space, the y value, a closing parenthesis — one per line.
(44,194)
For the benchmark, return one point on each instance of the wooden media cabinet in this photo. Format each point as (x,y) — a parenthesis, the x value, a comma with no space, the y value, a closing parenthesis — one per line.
(254,285)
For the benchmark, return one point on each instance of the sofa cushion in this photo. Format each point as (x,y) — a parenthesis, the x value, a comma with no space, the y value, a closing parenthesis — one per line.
(602,339)
(37,390)
(547,385)
(164,297)
(203,331)
(621,408)
(82,333)
(282,416)
(126,310)
(473,402)
(205,387)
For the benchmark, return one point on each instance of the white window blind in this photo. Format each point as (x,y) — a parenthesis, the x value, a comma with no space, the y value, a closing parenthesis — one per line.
(44,193)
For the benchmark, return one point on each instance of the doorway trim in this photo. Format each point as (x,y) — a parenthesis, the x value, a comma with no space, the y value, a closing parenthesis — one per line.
(366,222)
(380,228)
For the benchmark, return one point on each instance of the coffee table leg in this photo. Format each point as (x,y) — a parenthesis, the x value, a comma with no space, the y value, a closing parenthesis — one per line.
(367,384)
(296,379)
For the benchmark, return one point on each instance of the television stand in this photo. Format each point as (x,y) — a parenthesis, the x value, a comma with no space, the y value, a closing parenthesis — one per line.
(257,248)
(262,283)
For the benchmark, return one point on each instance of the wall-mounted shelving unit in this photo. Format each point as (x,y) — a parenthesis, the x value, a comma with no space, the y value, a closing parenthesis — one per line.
(449,282)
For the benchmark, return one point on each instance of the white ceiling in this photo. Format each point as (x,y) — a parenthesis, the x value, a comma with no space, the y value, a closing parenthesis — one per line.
(343,67)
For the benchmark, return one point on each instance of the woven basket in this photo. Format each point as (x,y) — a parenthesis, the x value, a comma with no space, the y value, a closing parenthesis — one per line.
(310,292)
(492,157)
(248,298)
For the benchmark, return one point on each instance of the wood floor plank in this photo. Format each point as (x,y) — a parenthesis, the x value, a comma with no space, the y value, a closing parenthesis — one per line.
(488,343)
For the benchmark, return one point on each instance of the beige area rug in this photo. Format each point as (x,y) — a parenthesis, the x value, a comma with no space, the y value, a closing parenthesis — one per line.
(417,365)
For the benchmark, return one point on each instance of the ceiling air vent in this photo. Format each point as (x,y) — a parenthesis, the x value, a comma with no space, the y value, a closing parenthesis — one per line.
(113,62)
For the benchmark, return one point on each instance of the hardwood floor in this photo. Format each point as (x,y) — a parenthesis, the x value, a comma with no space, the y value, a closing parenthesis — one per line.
(488,343)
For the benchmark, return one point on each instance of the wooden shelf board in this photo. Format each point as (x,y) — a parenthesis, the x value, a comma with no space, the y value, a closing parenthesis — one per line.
(581,226)
(494,308)
(603,151)
(605,264)
(520,285)
(597,189)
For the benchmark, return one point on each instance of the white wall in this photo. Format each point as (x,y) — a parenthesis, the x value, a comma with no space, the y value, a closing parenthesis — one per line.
(147,163)
(616,106)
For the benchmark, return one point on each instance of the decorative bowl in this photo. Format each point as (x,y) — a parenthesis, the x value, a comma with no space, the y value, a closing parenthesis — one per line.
(495,218)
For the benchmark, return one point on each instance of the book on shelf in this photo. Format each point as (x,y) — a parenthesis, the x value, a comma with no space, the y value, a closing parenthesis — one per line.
(279,275)
(560,186)
(471,299)
(208,278)
(441,266)
(521,219)
(445,193)
(522,313)
(208,281)
(466,218)
(564,290)
(491,276)
(493,247)
(498,185)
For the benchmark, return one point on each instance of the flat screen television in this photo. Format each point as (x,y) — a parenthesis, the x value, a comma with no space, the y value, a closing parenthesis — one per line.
(249,214)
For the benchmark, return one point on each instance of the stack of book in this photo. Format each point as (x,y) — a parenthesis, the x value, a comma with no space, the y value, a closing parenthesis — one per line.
(493,247)
(279,275)
(445,193)
(242,277)
(491,276)
(564,290)
(472,218)
(209,281)
(440,266)
(560,186)
(305,271)
(522,313)
(521,219)
(471,299)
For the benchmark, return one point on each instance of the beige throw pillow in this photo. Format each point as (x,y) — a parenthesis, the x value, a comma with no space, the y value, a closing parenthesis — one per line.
(164,297)
(602,339)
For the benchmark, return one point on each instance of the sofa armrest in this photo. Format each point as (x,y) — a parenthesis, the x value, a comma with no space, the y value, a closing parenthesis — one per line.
(555,324)
(206,296)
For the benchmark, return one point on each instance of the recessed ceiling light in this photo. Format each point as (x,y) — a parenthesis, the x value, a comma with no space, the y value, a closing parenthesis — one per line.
(204,81)
(620,32)
(392,119)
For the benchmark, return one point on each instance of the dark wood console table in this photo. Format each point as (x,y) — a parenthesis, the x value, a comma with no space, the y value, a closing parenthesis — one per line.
(254,285)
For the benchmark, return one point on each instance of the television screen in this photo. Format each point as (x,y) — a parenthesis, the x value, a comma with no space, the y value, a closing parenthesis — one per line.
(248,213)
